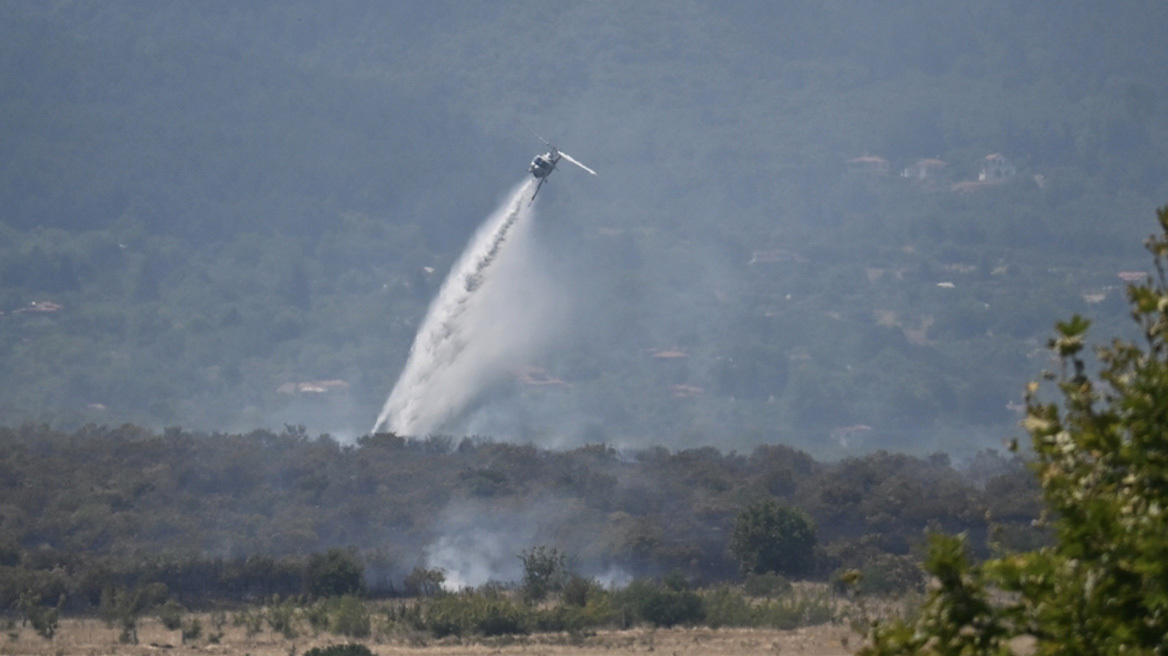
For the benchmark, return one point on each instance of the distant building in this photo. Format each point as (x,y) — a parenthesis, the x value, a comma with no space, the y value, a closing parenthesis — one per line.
(868,165)
(925,169)
(674,365)
(686,391)
(995,168)
(845,434)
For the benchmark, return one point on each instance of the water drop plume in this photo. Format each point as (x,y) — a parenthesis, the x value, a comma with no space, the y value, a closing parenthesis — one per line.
(464,342)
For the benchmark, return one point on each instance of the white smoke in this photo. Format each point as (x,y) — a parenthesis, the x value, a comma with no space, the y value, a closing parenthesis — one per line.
(476,556)
(491,312)
(482,540)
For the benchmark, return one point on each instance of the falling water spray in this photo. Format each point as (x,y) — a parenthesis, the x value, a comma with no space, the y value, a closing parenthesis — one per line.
(466,338)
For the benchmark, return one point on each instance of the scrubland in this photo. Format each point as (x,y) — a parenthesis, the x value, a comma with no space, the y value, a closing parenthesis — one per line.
(83,637)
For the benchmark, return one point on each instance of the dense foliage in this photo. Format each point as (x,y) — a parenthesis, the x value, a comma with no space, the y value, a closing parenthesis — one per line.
(232,217)
(248,516)
(768,537)
(1102,462)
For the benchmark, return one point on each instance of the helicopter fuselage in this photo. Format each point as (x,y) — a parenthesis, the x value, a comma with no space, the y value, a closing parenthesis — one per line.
(543,165)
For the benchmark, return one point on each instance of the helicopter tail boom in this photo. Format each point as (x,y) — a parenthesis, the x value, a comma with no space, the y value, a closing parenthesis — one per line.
(569,158)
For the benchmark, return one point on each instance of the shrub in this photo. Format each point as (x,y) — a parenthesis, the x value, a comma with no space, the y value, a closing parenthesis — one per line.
(350,618)
(887,574)
(192,631)
(252,622)
(659,605)
(123,606)
(350,649)
(500,618)
(473,613)
(768,584)
(318,616)
(281,618)
(578,589)
(170,614)
(557,619)
(725,606)
(441,617)
(218,621)
(43,619)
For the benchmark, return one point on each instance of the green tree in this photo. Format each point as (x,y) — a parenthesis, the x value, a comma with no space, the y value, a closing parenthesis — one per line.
(335,573)
(424,582)
(122,606)
(1101,458)
(42,618)
(769,537)
(544,570)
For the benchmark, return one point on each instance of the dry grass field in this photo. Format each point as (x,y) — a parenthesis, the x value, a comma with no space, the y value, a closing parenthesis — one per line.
(90,637)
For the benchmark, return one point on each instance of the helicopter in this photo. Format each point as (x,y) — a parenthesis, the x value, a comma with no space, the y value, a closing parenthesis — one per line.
(543,165)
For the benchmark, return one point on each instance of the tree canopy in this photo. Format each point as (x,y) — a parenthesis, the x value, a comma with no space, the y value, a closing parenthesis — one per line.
(769,537)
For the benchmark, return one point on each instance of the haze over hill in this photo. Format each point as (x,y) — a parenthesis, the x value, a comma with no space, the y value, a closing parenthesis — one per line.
(224,215)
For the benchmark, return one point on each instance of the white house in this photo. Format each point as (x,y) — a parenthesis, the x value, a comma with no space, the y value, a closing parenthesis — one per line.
(925,169)
(995,168)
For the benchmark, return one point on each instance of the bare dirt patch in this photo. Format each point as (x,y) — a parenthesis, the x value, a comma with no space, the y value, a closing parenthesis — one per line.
(89,637)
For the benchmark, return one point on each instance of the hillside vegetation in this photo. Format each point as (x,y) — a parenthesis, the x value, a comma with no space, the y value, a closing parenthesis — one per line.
(222,516)
(226,217)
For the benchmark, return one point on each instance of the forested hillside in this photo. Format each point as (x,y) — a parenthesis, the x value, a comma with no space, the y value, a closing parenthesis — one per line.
(227,216)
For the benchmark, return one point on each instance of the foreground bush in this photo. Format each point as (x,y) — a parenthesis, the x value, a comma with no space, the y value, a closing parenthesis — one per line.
(471,613)
(1102,462)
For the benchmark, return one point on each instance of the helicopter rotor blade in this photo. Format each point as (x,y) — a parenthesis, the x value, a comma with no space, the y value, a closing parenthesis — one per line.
(545,141)
(569,158)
